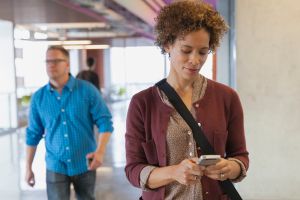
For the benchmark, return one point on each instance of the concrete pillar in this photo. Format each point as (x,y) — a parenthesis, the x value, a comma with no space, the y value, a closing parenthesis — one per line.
(268,83)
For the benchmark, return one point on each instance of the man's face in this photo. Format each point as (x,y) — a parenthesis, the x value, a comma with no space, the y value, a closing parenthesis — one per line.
(57,65)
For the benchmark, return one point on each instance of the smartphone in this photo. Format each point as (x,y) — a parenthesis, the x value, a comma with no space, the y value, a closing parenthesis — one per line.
(89,161)
(206,160)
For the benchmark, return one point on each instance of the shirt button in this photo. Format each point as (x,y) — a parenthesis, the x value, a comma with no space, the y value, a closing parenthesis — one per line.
(58,98)
(62,110)
(69,160)
(199,124)
(197,105)
(67,148)
(64,123)
(66,135)
(189,132)
(70,90)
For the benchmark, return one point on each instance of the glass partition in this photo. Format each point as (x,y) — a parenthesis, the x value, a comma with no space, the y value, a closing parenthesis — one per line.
(135,68)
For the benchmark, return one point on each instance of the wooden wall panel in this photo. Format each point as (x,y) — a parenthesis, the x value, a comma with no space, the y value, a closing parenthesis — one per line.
(44,11)
(6,10)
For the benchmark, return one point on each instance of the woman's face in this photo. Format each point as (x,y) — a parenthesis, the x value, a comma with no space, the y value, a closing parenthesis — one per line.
(188,54)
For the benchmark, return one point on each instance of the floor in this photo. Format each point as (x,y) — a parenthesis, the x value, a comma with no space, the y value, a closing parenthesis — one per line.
(111,181)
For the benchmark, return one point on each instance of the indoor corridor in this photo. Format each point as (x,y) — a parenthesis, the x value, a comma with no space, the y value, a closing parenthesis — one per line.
(111,181)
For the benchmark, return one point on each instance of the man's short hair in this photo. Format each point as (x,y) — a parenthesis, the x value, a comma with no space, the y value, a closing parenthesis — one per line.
(59,48)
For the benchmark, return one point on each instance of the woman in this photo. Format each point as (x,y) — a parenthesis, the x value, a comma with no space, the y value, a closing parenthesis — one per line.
(160,149)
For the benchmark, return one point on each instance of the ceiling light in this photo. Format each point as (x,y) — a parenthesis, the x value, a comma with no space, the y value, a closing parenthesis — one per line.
(71,42)
(99,46)
(71,25)
(20,43)
(40,36)
(21,34)
(65,42)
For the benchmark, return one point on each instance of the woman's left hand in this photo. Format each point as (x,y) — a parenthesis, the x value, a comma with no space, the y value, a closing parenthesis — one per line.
(224,169)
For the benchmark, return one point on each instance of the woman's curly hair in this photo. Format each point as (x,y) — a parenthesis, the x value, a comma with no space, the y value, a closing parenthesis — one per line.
(180,18)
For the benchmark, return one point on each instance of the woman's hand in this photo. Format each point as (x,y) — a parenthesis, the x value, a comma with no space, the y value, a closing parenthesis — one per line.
(187,172)
(224,169)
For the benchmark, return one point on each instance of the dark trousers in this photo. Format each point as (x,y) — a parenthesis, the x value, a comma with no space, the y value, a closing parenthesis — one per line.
(58,185)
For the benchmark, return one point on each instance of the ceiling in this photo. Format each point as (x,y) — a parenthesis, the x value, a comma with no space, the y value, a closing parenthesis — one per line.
(97,20)
(103,19)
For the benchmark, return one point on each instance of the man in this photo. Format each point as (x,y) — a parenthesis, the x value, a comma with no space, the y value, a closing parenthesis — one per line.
(64,112)
(90,75)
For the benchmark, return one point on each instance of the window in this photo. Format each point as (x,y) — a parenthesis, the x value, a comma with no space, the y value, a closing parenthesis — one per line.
(136,68)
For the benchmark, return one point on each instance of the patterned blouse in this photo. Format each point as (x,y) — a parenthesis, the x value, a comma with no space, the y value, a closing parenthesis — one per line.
(181,145)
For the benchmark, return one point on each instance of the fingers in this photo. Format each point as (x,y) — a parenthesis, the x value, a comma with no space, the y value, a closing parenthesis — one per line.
(95,164)
(89,155)
(217,175)
(193,168)
(189,179)
(188,172)
(31,182)
(221,171)
(192,179)
(222,177)
(96,160)
(30,179)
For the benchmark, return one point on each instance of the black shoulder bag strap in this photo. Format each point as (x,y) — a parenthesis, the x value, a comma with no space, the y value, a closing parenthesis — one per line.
(198,134)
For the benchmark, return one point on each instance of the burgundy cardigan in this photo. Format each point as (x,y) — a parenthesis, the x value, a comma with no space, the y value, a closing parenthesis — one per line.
(221,117)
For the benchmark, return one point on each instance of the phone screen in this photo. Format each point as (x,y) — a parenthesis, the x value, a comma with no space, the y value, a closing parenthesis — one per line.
(206,160)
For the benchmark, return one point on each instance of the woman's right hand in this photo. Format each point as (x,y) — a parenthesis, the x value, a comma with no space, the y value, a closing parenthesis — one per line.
(187,172)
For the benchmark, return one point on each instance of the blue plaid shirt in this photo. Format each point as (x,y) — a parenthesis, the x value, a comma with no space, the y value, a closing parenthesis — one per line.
(66,123)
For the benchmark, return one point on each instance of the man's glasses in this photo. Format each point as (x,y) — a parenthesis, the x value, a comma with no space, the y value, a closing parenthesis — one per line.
(55,61)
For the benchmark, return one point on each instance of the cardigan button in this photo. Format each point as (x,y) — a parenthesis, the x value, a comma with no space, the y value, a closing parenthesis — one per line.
(196,105)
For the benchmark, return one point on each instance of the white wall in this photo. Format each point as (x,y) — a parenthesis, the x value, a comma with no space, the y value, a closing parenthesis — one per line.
(9,188)
(268,81)
(8,111)
(9,167)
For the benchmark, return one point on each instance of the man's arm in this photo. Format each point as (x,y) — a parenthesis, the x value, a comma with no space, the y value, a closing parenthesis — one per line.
(103,119)
(30,153)
(98,155)
(102,142)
